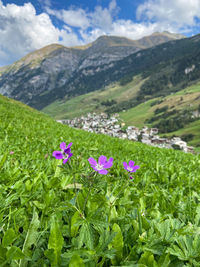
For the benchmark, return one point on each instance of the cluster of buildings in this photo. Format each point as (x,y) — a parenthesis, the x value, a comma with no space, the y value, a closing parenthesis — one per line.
(113,126)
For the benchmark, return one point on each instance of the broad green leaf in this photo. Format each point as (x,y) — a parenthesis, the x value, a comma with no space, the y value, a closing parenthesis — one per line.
(89,236)
(14,253)
(147,258)
(49,253)
(164,260)
(9,237)
(2,254)
(86,236)
(31,236)
(74,228)
(76,261)
(56,241)
(117,243)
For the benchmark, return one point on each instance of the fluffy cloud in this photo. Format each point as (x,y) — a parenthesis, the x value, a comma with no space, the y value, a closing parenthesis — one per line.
(72,17)
(177,14)
(22,31)
(102,21)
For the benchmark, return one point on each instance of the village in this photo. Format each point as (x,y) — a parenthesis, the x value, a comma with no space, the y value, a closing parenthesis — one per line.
(113,126)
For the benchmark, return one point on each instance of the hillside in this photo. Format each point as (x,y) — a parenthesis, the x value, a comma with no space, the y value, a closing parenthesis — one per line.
(70,216)
(51,73)
(176,114)
(97,101)
(186,101)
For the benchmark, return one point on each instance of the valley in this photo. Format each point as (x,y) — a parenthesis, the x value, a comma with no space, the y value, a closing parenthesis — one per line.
(153,83)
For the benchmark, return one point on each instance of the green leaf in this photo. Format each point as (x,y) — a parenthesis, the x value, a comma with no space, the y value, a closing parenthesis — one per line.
(2,254)
(49,253)
(31,236)
(14,253)
(9,237)
(74,227)
(164,261)
(89,236)
(76,261)
(147,258)
(117,243)
(2,161)
(56,241)
(72,186)
(86,236)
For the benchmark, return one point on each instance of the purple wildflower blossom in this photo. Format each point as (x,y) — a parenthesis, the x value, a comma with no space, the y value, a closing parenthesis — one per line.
(130,167)
(102,164)
(65,152)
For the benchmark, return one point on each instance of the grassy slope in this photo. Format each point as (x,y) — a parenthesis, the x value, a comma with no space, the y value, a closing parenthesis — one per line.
(81,105)
(182,100)
(90,102)
(29,178)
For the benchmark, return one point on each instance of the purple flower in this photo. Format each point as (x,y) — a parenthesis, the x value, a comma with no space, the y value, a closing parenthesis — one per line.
(65,152)
(130,167)
(102,164)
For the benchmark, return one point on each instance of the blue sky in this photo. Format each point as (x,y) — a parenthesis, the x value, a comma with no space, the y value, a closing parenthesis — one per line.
(27,25)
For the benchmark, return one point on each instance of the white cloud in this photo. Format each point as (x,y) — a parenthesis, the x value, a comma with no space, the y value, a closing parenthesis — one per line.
(22,31)
(177,14)
(133,30)
(72,17)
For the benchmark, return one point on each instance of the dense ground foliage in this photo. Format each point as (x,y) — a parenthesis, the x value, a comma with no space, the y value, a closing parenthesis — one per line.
(73,216)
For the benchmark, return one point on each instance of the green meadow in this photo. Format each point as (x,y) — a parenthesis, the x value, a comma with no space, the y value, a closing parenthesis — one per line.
(91,102)
(69,215)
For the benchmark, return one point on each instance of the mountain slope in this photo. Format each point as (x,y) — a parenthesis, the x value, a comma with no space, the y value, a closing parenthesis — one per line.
(50,73)
(96,101)
(177,114)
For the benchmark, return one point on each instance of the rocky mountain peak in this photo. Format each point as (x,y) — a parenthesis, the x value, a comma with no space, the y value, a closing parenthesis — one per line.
(57,70)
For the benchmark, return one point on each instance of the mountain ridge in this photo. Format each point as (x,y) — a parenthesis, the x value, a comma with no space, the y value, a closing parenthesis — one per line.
(47,74)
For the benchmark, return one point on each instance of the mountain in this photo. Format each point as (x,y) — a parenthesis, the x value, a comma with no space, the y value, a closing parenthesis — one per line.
(55,71)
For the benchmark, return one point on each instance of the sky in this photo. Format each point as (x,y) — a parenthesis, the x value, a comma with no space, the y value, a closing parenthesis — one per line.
(27,25)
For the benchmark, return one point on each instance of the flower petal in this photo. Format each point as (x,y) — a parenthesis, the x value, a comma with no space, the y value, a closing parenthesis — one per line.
(131,163)
(103,171)
(92,161)
(57,155)
(65,160)
(70,155)
(67,150)
(102,160)
(125,165)
(135,168)
(70,144)
(109,163)
(62,145)
(93,167)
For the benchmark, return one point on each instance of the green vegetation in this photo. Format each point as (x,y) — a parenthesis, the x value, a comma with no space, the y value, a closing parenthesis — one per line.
(171,114)
(137,116)
(65,215)
(94,101)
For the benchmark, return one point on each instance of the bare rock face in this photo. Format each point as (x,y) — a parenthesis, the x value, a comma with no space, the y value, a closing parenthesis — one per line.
(54,71)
